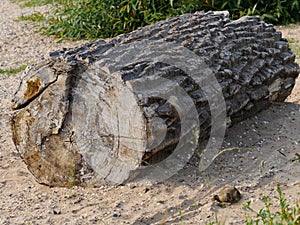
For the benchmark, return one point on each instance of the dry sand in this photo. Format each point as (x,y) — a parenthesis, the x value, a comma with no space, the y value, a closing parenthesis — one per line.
(274,136)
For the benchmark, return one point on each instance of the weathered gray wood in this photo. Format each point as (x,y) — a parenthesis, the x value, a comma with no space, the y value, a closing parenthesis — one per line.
(69,106)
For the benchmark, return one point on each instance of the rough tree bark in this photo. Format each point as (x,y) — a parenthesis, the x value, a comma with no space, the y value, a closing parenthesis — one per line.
(68,109)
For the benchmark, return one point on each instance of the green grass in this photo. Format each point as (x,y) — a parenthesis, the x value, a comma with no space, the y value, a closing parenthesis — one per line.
(33,3)
(292,40)
(13,71)
(35,17)
(92,19)
(295,47)
(287,215)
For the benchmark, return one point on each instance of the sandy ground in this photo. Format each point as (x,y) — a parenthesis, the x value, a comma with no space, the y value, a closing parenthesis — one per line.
(272,135)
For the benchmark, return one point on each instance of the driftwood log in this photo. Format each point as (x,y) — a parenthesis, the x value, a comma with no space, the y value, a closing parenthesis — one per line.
(81,119)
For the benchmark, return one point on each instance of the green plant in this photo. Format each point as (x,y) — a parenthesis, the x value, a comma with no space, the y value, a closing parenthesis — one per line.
(90,19)
(32,3)
(35,17)
(295,47)
(277,12)
(262,166)
(286,215)
(292,40)
(13,71)
(180,215)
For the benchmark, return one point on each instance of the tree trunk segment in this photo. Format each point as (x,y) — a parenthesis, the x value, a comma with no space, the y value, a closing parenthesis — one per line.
(69,107)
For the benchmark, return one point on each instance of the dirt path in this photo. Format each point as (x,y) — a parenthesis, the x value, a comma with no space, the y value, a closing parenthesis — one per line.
(272,135)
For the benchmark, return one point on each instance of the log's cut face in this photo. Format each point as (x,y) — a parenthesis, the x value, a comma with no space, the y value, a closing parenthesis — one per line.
(99,113)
